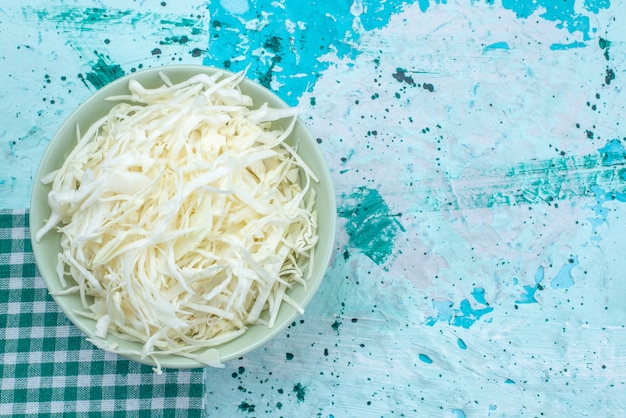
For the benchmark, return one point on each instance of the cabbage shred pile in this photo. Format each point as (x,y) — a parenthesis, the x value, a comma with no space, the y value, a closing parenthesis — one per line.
(184,216)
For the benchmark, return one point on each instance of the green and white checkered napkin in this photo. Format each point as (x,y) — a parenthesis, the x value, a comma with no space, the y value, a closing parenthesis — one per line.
(48,368)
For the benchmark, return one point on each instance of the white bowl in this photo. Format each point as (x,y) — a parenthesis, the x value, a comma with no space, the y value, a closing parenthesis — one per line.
(94,108)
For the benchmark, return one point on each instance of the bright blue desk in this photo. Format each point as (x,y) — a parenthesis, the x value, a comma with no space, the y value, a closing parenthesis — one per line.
(479,159)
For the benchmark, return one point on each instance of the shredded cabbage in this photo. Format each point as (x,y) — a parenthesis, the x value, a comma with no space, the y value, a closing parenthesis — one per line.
(184,216)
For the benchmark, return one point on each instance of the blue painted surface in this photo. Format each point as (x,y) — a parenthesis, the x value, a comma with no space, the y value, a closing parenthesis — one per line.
(461,344)
(459,413)
(498,45)
(477,154)
(613,152)
(290,50)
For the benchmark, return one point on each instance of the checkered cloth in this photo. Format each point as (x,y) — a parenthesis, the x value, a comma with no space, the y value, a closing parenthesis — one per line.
(48,368)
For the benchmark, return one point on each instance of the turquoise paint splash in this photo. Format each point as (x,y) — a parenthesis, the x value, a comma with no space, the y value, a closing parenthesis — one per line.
(479,295)
(469,315)
(465,315)
(529,291)
(104,71)
(601,175)
(594,6)
(444,311)
(372,228)
(613,157)
(313,32)
(563,278)
(563,12)
(459,413)
(297,49)
(563,47)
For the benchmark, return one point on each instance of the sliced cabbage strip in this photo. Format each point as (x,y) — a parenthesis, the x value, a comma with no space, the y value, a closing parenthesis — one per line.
(184,217)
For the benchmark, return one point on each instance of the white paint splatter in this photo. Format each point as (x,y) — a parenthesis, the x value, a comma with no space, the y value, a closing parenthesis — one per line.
(257,24)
